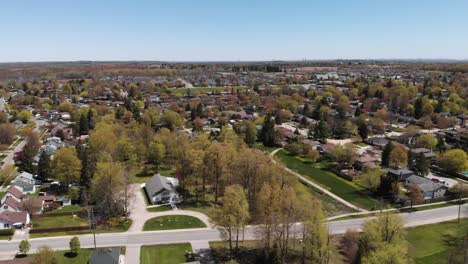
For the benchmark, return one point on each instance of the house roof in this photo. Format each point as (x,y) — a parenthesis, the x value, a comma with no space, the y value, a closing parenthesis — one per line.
(25,175)
(105,256)
(10,201)
(22,184)
(157,184)
(425,184)
(14,217)
(47,198)
(14,191)
(399,171)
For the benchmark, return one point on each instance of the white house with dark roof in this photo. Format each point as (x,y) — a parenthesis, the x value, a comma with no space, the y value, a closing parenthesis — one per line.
(161,190)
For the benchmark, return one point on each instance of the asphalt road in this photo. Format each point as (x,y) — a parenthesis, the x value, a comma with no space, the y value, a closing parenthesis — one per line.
(9,248)
(9,159)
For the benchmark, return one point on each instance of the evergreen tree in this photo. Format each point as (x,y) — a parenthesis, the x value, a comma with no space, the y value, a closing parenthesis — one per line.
(84,124)
(322,131)
(363,129)
(421,164)
(357,112)
(440,143)
(386,154)
(26,159)
(418,105)
(43,166)
(268,133)
(91,122)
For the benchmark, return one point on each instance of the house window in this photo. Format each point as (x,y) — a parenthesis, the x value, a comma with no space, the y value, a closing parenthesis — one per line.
(5,207)
(6,225)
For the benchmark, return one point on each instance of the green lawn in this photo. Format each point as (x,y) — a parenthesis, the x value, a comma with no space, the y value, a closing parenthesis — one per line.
(170,222)
(162,208)
(2,194)
(67,209)
(164,254)
(147,171)
(427,243)
(260,146)
(117,228)
(58,221)
(331,207)
(64,257)
(345,189)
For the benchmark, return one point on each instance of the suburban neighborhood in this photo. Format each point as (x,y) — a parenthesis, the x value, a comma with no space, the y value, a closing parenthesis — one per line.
(237,132)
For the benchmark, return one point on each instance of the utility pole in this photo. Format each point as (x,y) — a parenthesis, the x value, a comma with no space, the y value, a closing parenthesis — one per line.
(92,224)
(460,189)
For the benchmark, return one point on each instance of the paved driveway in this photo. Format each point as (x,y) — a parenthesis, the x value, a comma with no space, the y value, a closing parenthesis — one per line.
(140,215)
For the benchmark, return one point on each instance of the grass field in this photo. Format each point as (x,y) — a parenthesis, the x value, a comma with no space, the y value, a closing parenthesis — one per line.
(428,244)
(260,146)
(345,189)
(63,257)
(162,208)
(170,222)
(147,171)
(331,207)
(164,254)
(58,221)
(67,209)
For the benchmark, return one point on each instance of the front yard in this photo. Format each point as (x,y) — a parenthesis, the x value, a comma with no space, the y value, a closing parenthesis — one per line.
(164,254)
(170,222)
(345,189)
(429,243)
(41,222)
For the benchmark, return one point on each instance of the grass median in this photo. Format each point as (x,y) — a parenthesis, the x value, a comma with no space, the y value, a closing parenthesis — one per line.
(170,222)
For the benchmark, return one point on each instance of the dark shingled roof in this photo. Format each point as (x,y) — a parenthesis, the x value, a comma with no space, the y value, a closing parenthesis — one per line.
(105,256)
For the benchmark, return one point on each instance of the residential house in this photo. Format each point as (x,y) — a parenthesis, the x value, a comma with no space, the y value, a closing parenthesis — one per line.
(160,189)
(13,219)
(14,193)
(25,182)
(428,154)
(430,189)
(379,142)
(106,256)
(400,174)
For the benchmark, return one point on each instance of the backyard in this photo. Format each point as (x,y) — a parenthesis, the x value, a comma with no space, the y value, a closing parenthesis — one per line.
(429,243)
(345,189)
(164,254)
(170,222)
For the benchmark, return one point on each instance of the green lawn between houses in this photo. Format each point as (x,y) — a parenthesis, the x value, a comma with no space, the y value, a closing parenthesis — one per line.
(64,257)
(345,189)
(170,222)
(427,243)
(58,221)
(164,254)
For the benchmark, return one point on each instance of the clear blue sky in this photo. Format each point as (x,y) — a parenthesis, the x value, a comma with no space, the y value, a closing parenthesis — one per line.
(62,30)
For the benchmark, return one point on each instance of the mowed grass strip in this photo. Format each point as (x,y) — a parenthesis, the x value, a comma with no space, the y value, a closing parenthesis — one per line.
(64,257)
(345,189)
(428,243)
(58,221)
(164,254)
(170,222)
